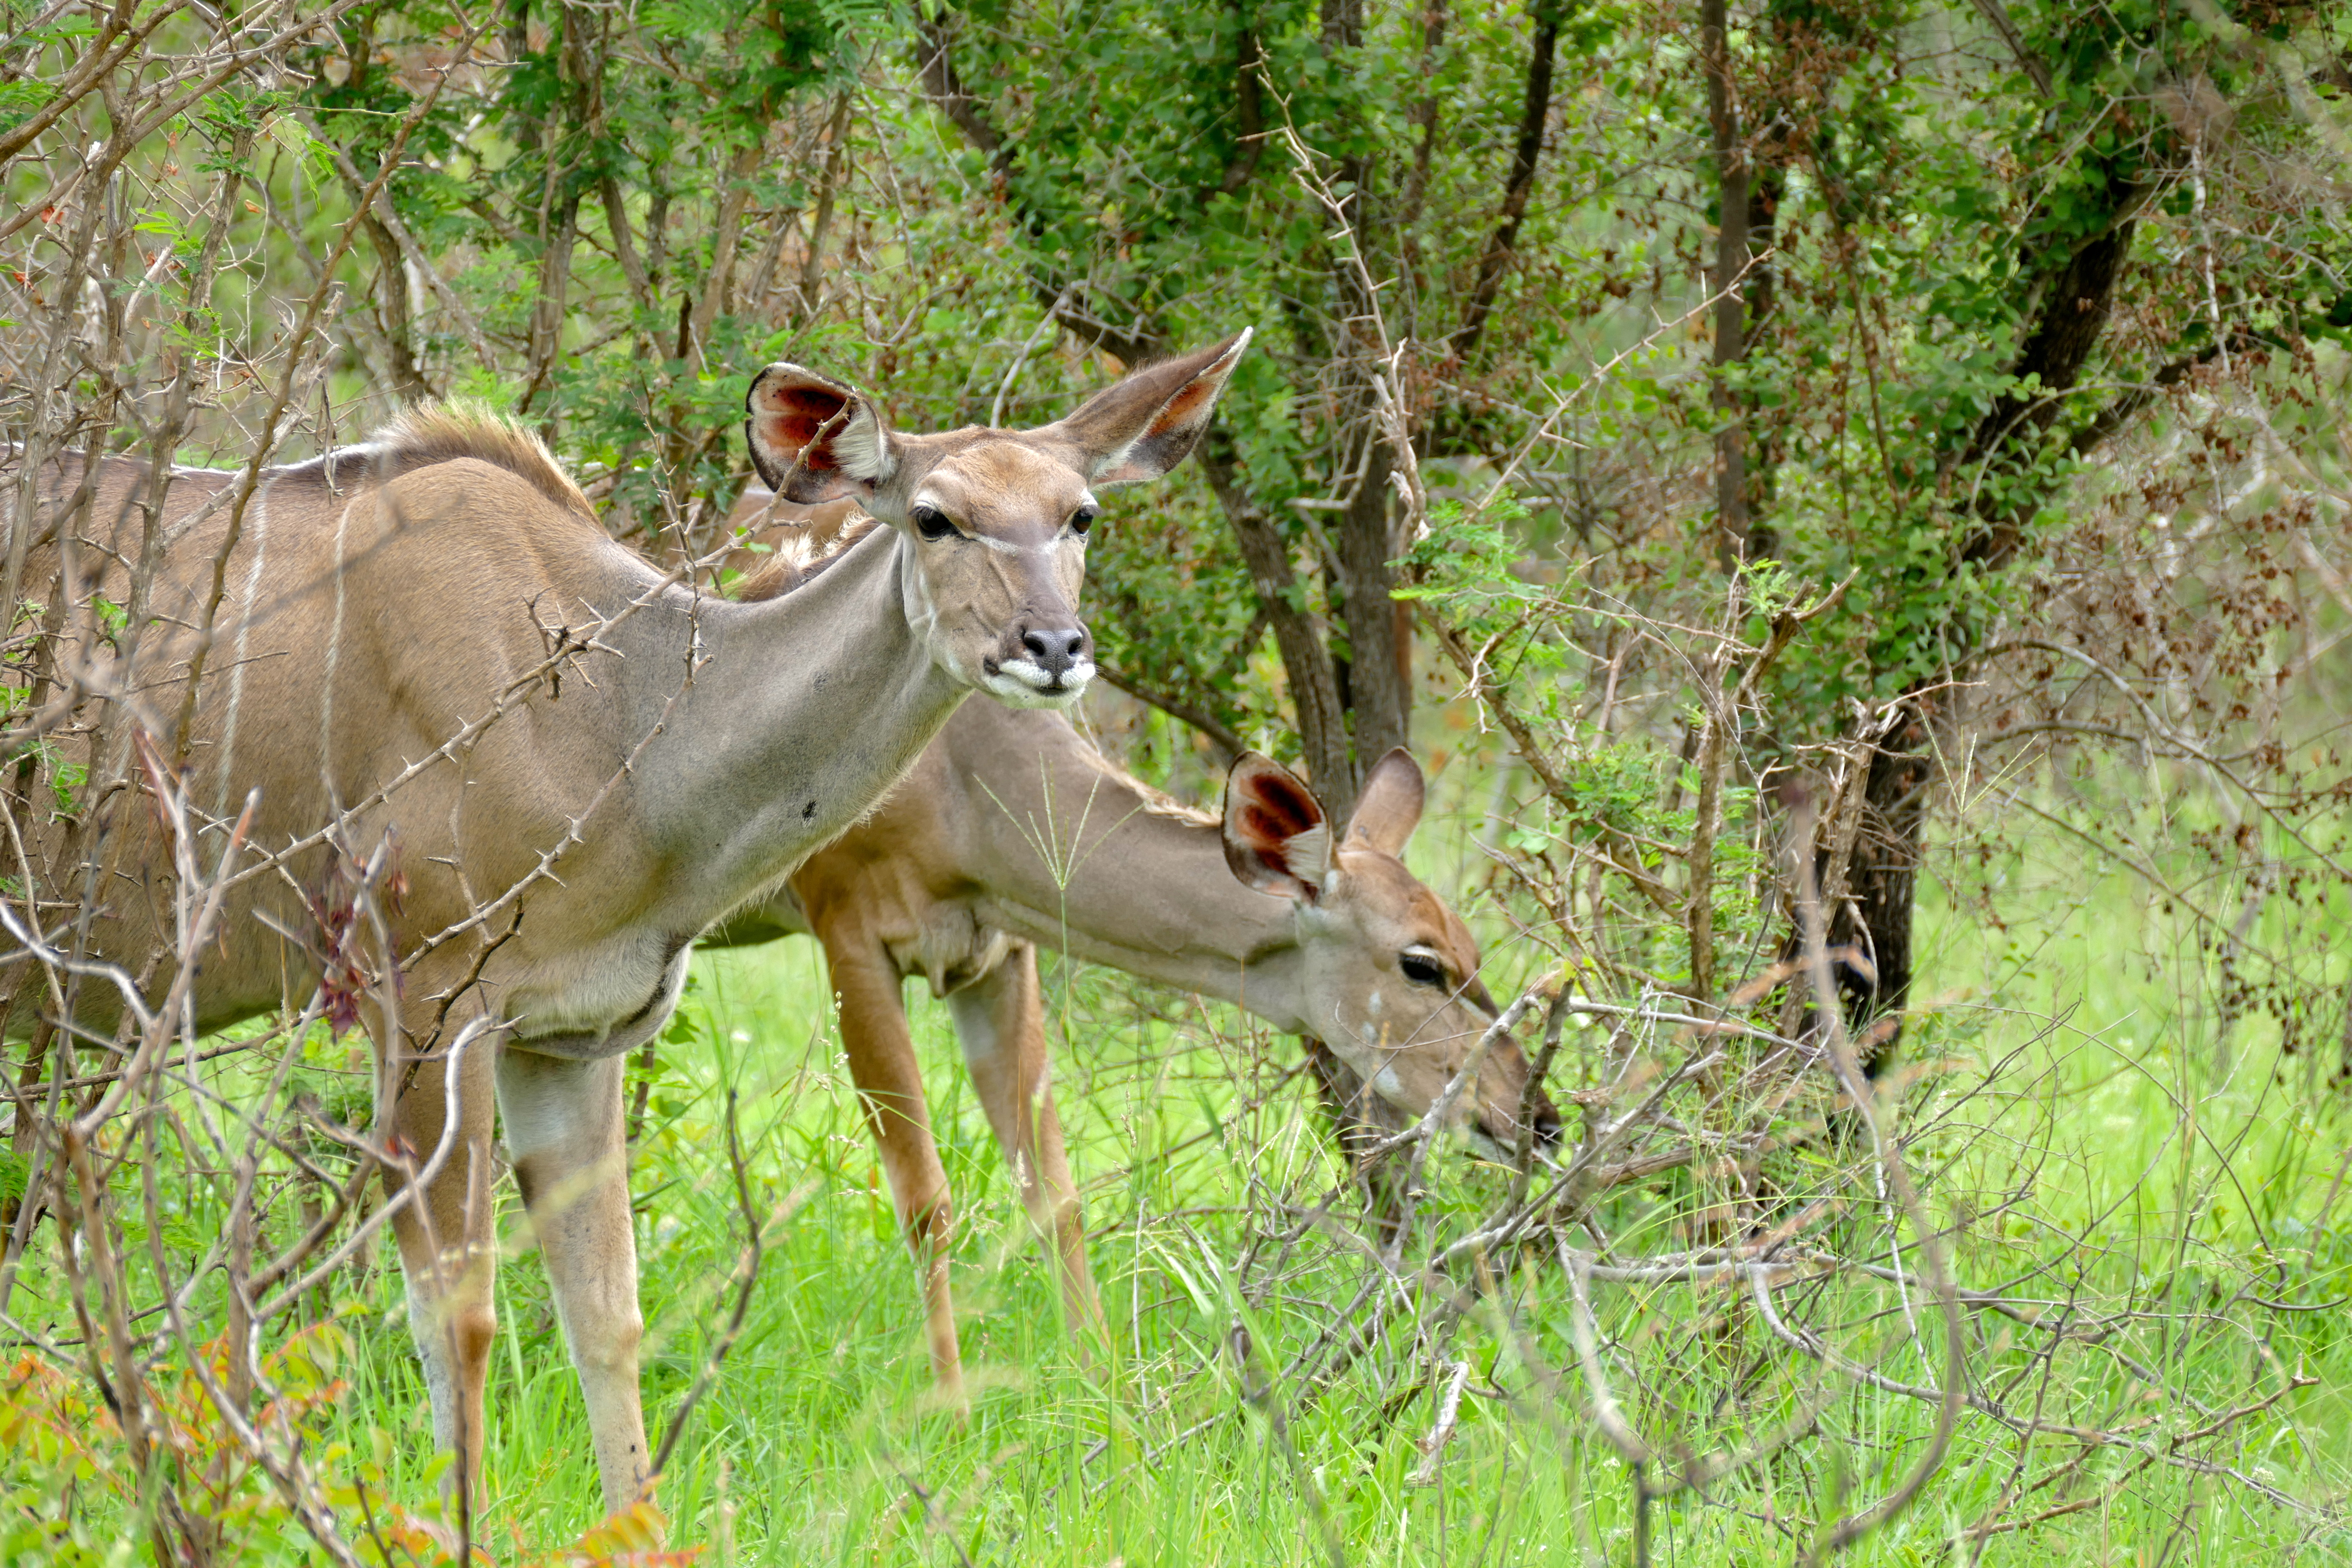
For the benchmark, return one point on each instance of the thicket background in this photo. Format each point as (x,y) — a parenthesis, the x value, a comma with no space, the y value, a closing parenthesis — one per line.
(1897,450)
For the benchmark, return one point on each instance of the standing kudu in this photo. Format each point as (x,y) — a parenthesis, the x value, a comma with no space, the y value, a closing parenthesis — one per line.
(1012,831)
(428,645)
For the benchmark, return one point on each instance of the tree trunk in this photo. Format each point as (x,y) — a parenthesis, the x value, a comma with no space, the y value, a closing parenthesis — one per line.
(1354,702)
(1761,436)
(392,317)
(1307,660)
(1380,645)
(2072,310)
(1535,109)
(1731,257)
(1883,878)
(1379,658)
(1378,694)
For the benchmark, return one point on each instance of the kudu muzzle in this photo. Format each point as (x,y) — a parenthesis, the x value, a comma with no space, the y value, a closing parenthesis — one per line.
(1047,655)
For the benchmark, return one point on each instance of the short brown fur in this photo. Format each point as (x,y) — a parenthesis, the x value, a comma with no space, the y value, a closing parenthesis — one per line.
(945,880)
(425,655)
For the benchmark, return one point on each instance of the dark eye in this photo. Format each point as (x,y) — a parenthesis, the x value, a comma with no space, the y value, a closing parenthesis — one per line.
(932,523)
(1082,520)
(1422,969)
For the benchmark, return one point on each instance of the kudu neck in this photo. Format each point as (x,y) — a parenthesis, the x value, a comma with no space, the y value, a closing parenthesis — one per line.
(1082,859)
(801,711)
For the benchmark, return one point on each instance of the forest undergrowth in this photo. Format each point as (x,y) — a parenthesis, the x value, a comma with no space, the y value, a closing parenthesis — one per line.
(2152,1201)
(1851,502)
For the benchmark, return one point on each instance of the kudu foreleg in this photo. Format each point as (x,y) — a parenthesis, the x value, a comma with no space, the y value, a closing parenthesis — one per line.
(1000,1022)
(881,1052)
(448,1250)
(565,1132)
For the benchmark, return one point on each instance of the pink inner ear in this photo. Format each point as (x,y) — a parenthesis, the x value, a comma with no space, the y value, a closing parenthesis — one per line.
(1180,408)
(1278,811)
(1265,835)
(791,418)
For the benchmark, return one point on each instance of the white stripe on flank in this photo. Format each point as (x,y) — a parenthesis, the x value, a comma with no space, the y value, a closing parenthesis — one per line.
(334,652)
(259,529)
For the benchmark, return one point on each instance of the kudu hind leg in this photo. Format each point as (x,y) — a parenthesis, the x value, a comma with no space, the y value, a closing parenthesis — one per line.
(1000,1025)
(448,1249)
(565,1132)
(881,1051)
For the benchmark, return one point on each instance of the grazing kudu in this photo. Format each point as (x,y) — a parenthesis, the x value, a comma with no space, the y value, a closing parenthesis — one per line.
(1012,831)
(596,810)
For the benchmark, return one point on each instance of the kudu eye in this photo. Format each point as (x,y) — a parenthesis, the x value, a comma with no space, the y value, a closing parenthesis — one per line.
(1421,968)
(1082,520)
(931,523)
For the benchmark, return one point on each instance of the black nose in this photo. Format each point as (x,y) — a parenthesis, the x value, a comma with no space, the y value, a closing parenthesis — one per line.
(1056,649)
(1547,1125)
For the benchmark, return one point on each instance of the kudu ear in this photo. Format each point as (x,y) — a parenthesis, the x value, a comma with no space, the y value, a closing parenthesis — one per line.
(814,439)
(1277,839)
(1389,807)
(1148,423)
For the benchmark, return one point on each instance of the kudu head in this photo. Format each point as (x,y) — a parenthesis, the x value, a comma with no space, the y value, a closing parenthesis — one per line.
(995,520)
(1391,972)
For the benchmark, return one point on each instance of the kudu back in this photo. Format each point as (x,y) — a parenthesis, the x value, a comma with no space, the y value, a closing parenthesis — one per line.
(428,660)
(1010,832)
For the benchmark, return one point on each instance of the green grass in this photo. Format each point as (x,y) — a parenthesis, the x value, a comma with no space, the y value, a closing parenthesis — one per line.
(2073,1099)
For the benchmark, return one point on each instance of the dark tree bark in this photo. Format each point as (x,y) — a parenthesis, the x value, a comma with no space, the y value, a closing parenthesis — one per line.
(1424,117)
(1535,107)
(1380,639)
(392,314)
(1379,692)
(1299,633)
(1883,878)
(942,84)
(1352,707)
(1731,260)
(948,94)
(1761,438)
(2075,302)
(1249,109)
(2072,308)
(1379,671)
